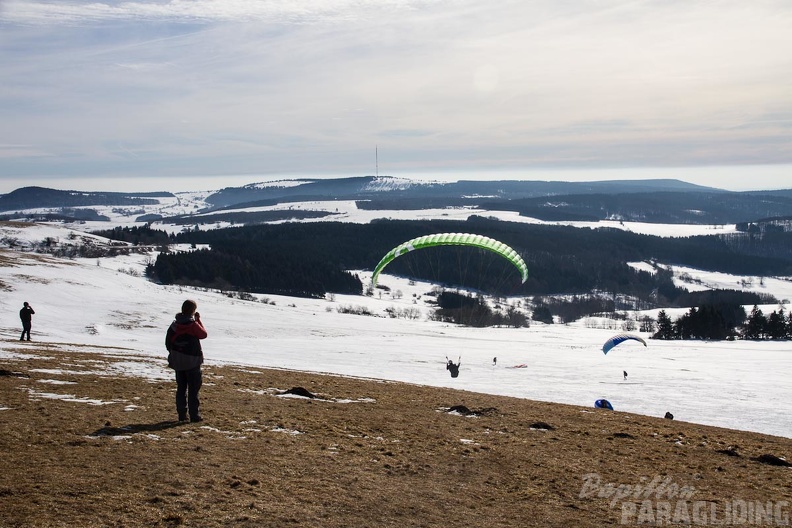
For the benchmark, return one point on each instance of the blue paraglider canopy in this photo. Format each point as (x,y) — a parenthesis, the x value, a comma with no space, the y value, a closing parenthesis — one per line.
(603,404)
(620,338)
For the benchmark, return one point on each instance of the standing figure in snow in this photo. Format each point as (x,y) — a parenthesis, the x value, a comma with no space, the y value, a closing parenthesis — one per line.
(453,368)
(25,315)
(185,356)
(625,374)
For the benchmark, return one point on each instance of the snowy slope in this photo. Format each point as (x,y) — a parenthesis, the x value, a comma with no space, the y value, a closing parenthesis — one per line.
(106,303)
(184,203)
(348,211)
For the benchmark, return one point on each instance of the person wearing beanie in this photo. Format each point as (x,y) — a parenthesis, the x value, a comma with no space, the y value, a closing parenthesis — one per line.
(185,356)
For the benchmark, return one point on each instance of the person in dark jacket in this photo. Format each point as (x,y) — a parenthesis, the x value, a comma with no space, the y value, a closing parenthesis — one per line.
(185,357)
(453,367)
(25,315)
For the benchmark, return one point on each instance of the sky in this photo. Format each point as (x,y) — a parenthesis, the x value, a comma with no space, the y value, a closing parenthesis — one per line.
(129,95)
(736,384)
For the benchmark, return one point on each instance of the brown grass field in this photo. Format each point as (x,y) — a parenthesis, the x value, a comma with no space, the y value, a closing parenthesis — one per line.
(363,453)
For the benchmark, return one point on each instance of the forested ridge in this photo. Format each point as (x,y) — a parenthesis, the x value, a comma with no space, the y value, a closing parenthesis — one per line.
(653,207)
(313,258)
(37,197)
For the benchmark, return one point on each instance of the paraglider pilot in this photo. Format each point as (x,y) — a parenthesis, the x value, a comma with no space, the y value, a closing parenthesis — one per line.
(453,368)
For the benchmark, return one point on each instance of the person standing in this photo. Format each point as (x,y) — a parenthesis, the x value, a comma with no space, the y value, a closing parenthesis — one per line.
(185,357)
(25,314)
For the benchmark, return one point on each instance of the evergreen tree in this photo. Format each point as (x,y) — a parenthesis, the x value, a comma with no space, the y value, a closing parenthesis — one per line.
(712,323)
(756,326)
(543,315)
(776,325)
(789,325)
(665,327)
(683,327)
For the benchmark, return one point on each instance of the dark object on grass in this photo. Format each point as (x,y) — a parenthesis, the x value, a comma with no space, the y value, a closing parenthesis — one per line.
(669,416)
(622,435)
(773,460)
(731,451)
(4,372)
(461,409)
(300,391)
(544,426)
(126,430)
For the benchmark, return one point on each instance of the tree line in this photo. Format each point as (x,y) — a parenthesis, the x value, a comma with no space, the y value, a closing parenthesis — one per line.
(725,321)
(313,258)
(470,310)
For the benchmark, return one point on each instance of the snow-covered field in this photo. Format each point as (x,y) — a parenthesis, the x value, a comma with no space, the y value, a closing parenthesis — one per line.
(102,303)
(347,211)
(183,203)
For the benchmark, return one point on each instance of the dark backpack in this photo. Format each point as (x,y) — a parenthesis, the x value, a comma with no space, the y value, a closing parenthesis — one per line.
(180,346)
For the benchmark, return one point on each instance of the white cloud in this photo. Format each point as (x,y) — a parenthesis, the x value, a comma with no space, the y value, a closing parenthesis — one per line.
(247,86)
(207,10)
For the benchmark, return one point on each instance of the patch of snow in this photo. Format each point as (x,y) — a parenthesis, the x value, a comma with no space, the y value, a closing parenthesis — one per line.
(60,372)
(36,395)
(277,184)
(17,356)
(287,431)
(387,183)
(359,400)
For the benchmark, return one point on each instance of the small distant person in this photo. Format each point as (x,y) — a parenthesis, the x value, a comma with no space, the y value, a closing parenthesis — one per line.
(25,314)
(494,361)
(625,374)
(453,368)
(185,357)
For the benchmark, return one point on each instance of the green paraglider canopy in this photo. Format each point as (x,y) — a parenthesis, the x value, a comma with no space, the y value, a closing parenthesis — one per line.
(453,239)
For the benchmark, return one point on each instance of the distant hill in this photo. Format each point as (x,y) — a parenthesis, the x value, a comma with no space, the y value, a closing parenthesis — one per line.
(383,187)
(651,201)
(39,197)
(654,207)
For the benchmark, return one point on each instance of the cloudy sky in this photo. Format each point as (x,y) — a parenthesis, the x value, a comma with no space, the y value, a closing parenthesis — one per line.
(129,92)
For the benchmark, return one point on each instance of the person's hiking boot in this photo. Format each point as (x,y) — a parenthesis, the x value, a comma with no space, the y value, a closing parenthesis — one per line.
(196,419)
(182,417)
